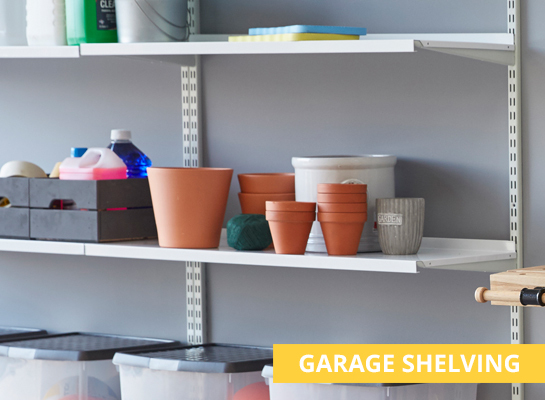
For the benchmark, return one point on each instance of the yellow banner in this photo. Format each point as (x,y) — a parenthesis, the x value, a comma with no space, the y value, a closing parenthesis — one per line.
(409,363)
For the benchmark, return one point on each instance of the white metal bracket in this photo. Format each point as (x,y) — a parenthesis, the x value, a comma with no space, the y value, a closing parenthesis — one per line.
(195,271)
(515,172)
(500,55)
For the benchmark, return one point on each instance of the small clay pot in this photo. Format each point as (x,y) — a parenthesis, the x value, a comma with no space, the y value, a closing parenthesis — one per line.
(189,205)
(342,197)
(342,238)
(290,215)
(342,188)
(290,206)
(267,183)
(254,203)
(342,217)
(342,207)
(290,237)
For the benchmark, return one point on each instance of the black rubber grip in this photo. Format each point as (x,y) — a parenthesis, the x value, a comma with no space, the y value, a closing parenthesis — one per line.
(532,297)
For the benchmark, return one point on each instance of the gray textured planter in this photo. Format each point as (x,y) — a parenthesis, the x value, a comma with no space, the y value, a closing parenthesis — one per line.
(400,225)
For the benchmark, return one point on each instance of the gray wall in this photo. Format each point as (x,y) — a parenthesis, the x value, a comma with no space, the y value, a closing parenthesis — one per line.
(444,117)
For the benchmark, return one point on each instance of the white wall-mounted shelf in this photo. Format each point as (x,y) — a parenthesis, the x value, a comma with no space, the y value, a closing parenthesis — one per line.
(456,254)
(493,47)
(39,51)
(42,246)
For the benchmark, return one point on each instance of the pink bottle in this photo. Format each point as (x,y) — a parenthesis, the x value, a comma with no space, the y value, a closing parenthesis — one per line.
(96,164)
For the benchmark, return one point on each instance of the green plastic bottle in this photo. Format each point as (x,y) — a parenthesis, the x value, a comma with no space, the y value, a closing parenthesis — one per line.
(90,21)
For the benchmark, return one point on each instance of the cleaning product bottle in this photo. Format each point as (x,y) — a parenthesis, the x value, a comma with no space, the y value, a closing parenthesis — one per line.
(137,162)
(46,23)
(90,21)
(12,23)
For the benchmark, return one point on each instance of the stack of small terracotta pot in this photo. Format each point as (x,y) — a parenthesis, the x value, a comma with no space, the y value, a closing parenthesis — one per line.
(256,189)
(342,213)
(290,223)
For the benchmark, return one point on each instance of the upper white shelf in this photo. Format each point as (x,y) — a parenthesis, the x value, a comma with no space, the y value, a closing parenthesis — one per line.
(39,51)
(495,47)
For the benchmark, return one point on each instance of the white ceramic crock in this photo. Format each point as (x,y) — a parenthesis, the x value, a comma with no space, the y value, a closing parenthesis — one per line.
(377,171)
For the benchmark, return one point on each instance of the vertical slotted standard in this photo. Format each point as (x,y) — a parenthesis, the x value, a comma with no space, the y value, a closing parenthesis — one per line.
(515,173)
(195,271)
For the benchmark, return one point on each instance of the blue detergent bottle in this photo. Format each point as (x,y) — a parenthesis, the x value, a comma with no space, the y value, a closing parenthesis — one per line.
(137,162)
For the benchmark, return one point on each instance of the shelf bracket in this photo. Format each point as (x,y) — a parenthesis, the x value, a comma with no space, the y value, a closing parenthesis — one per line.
(516,322)
(192,158)
(504,54)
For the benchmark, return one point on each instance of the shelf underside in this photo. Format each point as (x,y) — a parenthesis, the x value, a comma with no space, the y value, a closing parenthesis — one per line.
(493,47)
(435,253)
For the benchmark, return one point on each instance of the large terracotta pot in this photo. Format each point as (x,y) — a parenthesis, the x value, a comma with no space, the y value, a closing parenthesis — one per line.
(189,205)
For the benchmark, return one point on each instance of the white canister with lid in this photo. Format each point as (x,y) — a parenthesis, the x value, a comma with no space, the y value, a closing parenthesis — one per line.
(377,171)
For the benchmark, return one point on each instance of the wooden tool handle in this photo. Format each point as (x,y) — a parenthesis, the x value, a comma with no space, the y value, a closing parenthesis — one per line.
(482,295)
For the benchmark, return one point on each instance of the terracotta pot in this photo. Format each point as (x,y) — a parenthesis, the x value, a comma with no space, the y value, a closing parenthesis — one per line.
(290,216)
(290,237)
(290,206)
(341,188)
(342,217)
(342,198)
(254,203)
(342,238)
(342,207)
(267,183)
(189,205)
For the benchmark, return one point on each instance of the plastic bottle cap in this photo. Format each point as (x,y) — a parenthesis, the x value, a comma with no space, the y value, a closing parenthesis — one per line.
(77,151)
(120,134)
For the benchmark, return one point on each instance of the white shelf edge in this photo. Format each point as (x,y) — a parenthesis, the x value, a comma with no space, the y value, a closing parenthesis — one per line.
(42,246)
(228,48)
(457,254)
(39,51)
(491,47)
(435,253)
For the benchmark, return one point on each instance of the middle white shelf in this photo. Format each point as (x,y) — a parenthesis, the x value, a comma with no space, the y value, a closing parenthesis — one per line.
(435,253)
(457,254)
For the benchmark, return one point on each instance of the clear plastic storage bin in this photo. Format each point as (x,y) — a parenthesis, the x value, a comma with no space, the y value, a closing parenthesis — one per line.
(208,372)
(371,391)
(73,366)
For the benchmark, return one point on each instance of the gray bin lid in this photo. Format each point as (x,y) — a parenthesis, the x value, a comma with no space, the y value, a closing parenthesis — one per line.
(208,358)
(268,373)
(8,333)
(78,346)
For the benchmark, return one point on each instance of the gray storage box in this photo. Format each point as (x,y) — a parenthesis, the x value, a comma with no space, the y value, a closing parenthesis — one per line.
(91,195)
(15,219)
(107,210)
